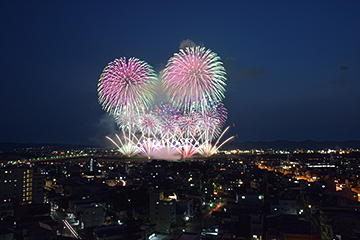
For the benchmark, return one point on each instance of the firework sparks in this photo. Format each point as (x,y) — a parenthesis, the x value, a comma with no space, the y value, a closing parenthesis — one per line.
(149,146)
(188,125)
(207,148)
(126,85)
(211,120)
(148,123)
(128,147)
(194,76)
(187,148)
(168,119)
(127,120)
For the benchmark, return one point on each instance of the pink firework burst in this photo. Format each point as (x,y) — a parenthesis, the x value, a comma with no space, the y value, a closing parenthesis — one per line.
(188,125)
(126,84)
(148,123)
(193,77)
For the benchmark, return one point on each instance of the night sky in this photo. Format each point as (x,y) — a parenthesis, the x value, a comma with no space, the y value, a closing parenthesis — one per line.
(293,67)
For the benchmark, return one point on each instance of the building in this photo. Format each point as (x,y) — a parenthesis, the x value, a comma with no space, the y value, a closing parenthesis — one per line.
(16,183)
(284,206)
(256,225)
(37,188)
(6,233)
(90,215)
(184,211)
(19,185)
(345,224)
(38,231)
(163,210)
(6,209)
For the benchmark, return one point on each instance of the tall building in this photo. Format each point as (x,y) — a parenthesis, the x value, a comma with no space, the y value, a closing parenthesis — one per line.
(20,184)
(162,211)
(38,182)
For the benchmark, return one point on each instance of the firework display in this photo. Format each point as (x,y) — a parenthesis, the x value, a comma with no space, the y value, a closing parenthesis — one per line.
(126,85)
(194,81)
(187,148)
(193,77)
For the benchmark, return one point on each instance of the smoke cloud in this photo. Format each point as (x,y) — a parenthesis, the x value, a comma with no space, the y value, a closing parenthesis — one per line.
(187,43)
(105,126)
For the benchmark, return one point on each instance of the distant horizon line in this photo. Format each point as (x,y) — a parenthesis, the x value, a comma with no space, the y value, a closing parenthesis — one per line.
(244,141)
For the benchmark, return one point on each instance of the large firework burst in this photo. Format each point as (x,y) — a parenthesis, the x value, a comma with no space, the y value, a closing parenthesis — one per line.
(126,85)
(193,77)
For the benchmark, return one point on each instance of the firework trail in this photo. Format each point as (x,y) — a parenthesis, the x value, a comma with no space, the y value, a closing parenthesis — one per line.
(207,148)
(193,77)
(187,147)
(126,85)
(149,146)
(127,120)
(128,145)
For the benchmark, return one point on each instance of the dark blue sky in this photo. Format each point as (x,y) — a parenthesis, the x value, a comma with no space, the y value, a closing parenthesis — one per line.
(283,60)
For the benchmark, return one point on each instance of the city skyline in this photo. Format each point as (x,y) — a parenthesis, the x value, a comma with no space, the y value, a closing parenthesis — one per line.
(292,67)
